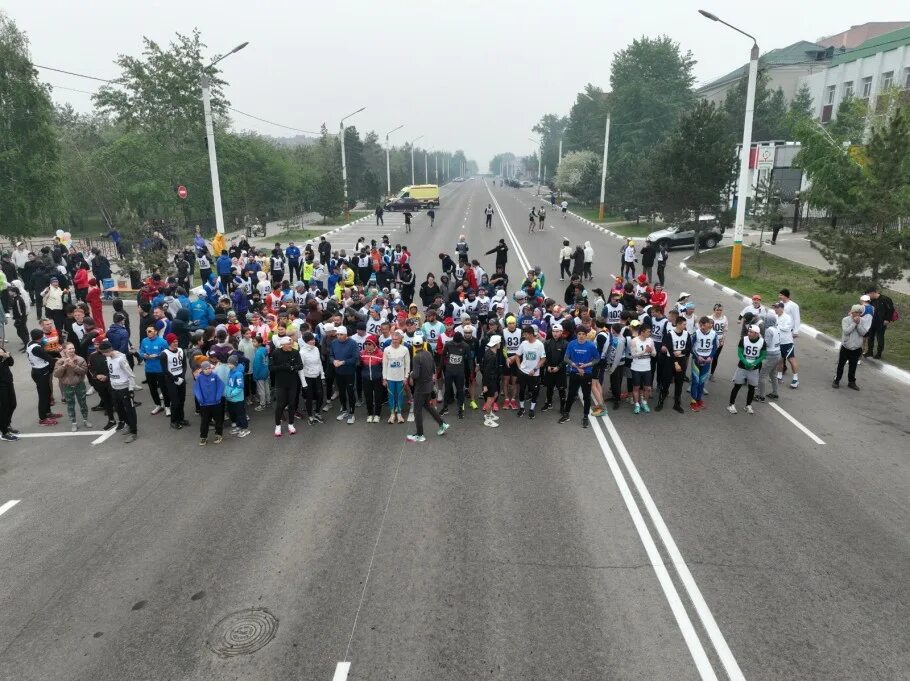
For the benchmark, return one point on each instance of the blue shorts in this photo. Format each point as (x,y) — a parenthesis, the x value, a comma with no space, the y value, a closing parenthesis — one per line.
(787,351)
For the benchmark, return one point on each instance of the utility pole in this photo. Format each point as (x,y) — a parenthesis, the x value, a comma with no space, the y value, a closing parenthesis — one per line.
(388,172)
(426,174)
(603,171)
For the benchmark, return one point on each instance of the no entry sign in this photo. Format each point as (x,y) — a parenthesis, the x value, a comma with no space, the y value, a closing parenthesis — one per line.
(181,191)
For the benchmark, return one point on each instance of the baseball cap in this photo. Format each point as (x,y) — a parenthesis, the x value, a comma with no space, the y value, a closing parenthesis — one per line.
(684,295)
(754,328)
(370,339)
(342,330)
(494,341)
(170,338)
(779,304)
(328,326)
(690,306)
(634,323)
(865,298)
(855,308)
(397,332)
(467,328)
(557,327)
(417,338)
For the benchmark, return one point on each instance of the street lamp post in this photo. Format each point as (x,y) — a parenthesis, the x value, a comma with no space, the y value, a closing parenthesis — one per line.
(539,161)
(603,171)
(206,85)
(426,173)
(388,171)
(413,181)
(344,164)
(436,161)
(743,185)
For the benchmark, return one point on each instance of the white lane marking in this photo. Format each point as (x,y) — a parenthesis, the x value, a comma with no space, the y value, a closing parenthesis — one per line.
(734,673)
(696,649)
(523,259)
(812,436)
(104,436)
(8,505)
(341,671)
(76,434)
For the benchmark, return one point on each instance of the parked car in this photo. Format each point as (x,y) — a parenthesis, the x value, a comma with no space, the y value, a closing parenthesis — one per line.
(683,234)
(527,183)
(403,203)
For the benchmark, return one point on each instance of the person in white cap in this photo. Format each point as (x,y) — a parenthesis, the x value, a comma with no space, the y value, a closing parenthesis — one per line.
(490,370)
(751,353)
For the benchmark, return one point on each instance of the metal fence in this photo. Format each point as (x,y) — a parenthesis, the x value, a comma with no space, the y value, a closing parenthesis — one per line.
(105,245)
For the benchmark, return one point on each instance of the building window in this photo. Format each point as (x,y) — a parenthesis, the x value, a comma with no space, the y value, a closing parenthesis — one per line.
(866,87)
(848,89)
(887,80)
(829,94)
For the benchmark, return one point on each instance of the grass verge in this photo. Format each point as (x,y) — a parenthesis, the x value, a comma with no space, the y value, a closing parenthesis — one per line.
(819,306)
(591,213)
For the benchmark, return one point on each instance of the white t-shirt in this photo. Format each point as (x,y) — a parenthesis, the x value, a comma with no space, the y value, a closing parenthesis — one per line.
(785,327)
(642,351)
(531,354)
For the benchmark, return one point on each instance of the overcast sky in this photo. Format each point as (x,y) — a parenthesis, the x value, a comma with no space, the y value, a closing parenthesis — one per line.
(310,62)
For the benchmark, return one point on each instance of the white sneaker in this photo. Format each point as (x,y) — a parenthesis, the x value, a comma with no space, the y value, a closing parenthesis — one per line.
(749,409)
(326,407)
(732,409)
(90,391)
(291,429)
(490,423)
(392,418)
(86,424)
(235,430)
(74,427)
(243,433)
(341,416)
(411,416)
(794,383)
(277,431)
(350,419)
(167,411)
(157,410)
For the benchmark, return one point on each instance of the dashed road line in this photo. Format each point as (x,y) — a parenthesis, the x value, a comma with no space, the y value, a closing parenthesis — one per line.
(812,436)
(8,505)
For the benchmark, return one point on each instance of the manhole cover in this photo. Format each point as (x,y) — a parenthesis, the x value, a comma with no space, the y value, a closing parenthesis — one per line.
(243,632)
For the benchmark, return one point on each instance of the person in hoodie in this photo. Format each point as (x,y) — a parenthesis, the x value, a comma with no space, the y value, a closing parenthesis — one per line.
(235,399)
(285,367)
(223,266)
(588,261)
(150,350)
(371,359)
(313,375)
(201,312)
(208,390)
(70,371)
(344,355)
(181,327)
(260,366)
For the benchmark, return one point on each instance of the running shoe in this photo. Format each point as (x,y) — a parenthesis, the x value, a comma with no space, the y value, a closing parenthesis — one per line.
(645,408)
(243,433)
(350,419)
(694,405)
(749,409)
(203,442)
(54,415)
(47,422)
(167,411)
(416,438)
(546,407)
(318,417)
(111,424)
(677,407)
(218,439)
(74,428)
(598,410)
(794,383)
(291,429)
(520,412)
(636,409)
(495,406)
(473,404)
(773,396)
(584,421)
(131,437)
(157,410)
(442,429)
(8,437)
(732,409)
(410,417)
(342,415)
(702,405)
(400,417)
(277,431)
(514,404)
(531,414)
(506,404)
(490,423)
(564,418)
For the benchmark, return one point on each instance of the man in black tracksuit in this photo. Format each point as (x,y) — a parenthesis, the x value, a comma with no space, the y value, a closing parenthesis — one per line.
(555,368)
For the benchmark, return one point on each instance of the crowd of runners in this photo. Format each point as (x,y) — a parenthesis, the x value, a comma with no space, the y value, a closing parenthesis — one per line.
(307,334)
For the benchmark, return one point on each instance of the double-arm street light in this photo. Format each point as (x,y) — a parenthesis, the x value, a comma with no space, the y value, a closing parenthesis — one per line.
(206,85)
(388,172)
(344,164)
(739,224)
(413,181)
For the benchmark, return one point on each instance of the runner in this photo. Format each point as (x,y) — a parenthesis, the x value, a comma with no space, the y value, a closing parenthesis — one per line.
(541,217)
(565,207)
(532,220)
(581,356)
(488,213)
(529,358)
(490,376)
(704,347)
(751,353)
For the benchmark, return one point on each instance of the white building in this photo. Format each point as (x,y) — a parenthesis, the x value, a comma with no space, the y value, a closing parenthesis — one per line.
(865,72)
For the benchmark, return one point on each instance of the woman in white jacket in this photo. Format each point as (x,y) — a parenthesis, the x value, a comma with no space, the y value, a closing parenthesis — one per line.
(396,366)
(311,377)
(589,261)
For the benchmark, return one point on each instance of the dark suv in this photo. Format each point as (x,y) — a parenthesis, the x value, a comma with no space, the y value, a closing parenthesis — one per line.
(683,234)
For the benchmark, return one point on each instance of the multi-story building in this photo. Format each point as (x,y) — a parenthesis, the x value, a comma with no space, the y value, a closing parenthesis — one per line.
(785,67)
(866,72)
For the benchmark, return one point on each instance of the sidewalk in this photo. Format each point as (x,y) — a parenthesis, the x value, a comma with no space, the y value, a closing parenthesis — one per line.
(798,248)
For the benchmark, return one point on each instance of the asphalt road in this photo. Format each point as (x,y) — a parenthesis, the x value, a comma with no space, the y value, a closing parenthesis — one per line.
(667,546)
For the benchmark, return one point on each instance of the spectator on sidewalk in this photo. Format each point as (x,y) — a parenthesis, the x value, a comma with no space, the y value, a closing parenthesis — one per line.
(882,315)
(854,326)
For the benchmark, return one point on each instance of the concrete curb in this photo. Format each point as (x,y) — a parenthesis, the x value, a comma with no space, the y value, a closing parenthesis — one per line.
(888,369)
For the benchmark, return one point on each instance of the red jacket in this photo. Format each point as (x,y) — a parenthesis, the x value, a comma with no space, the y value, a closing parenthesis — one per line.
(80,278)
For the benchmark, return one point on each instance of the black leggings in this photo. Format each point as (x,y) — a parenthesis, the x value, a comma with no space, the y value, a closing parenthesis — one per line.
(176,395)
(749,394)
(40,377)
(313,393)
(577,381)
(345,383)
(156,383)
(716,357)
(455,387)
(565,268)
(529,386)
(557,380)
(286,398)
(207,412)
(374,393)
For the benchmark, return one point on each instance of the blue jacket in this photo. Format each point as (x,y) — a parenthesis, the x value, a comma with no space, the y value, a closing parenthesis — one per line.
(152,346)
(119,337)
(223,264)
(348,352)
(201,312)
(292,253)
(261,364)
(240,302)
(234,390)
(209,390)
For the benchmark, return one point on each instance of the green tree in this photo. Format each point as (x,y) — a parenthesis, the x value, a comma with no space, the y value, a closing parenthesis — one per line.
(585,127)
(869,192)
(550,128)
(849,125)
(694,166)
(769,121)
(30,177)
(801,108)
(579,175)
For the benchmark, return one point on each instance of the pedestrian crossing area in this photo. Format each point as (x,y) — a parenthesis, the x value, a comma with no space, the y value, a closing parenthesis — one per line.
(393,226)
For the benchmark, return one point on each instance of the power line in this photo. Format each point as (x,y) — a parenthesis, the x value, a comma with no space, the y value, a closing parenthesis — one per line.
(280,125)
(71,73)
(71,89)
